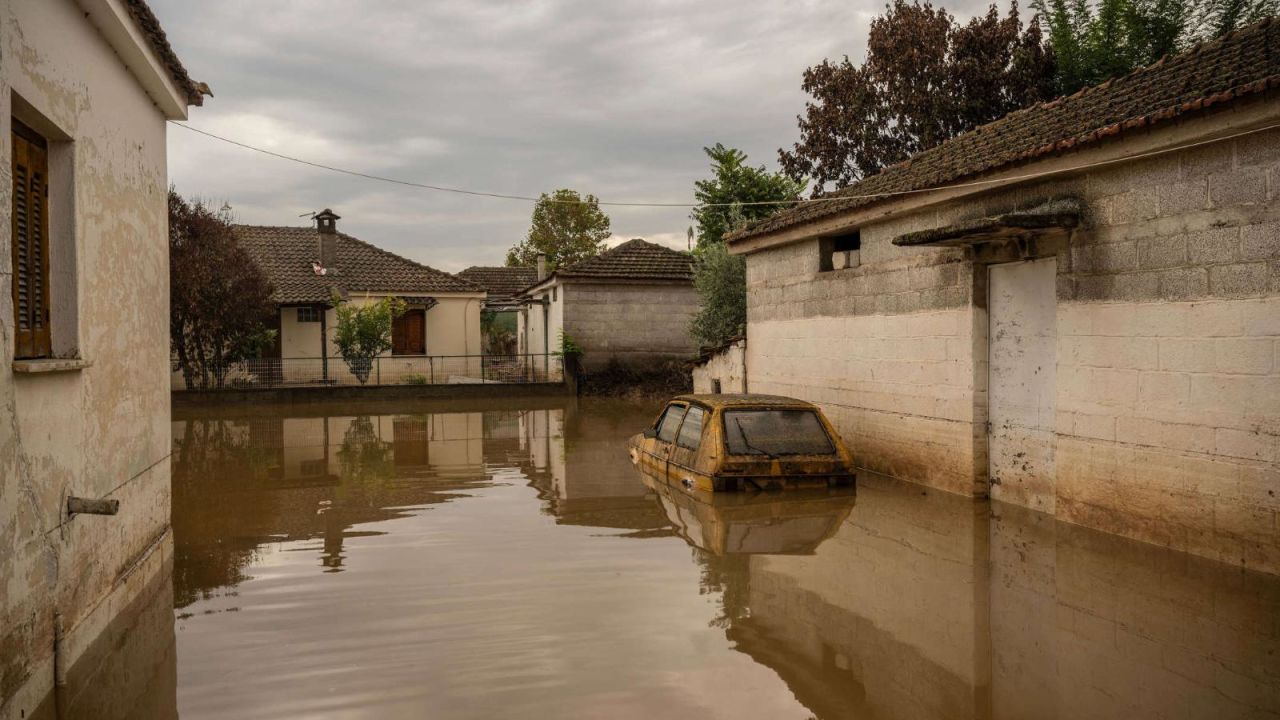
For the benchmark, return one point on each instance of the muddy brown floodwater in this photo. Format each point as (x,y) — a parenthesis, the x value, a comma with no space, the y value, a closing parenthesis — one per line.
(512,563)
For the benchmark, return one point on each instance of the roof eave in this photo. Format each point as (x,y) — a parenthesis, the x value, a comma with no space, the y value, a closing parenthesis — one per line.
(117,26)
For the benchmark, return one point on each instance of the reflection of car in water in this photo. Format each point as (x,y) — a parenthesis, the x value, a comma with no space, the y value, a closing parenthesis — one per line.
(794,523)
(732,442)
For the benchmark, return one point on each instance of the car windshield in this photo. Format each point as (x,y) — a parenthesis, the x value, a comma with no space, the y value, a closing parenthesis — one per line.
(775,432)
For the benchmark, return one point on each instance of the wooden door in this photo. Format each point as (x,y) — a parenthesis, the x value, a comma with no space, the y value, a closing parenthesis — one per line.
(409,333)
(30,255)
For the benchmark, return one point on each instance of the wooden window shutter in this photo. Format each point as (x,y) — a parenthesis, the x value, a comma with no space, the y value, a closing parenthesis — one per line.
(30,243)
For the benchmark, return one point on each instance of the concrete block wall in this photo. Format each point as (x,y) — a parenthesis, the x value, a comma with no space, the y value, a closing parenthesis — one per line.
(632,323)
(886,348)
(1167,413)
(1168,400)
(728,367)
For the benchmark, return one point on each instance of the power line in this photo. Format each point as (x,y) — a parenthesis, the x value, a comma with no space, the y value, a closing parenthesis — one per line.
(801,201)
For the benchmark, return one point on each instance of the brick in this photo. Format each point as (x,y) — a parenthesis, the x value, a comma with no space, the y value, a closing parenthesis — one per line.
(1260,242)
(1198,162)
(1241,187)
(1238,280)
(1258,149)
(1183,283)
(1250,356)
(1105,258)
(1162,252)
(1216,245)
(1117,352)
(1188,354)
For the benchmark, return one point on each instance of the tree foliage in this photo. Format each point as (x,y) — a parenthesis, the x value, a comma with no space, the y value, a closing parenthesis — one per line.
(721,281)
(566,227)
(364,332)
(724,198)
(925,78)
(220,307)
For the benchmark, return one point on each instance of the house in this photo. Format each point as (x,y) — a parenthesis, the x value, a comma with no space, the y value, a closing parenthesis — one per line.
(501,285)
(86,90)
(438,335)
(1075,308)
(631,304)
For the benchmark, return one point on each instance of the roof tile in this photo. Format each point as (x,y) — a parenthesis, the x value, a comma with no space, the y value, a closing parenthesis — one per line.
(1240,63)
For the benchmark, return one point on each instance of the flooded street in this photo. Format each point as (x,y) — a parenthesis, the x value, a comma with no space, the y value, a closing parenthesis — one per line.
(512,563)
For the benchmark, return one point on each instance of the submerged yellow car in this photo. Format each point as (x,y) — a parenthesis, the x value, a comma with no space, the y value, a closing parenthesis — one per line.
(732,442)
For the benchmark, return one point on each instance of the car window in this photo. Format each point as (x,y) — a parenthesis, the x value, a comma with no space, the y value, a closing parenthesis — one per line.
(670,422)
(691,430)
(775,432)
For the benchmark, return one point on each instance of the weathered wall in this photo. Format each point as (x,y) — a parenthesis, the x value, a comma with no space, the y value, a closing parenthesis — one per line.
(729,366)
(633,324)
(101,431)
(1167,390)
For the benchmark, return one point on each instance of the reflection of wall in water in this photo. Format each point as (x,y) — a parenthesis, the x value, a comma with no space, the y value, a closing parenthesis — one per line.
(897,616)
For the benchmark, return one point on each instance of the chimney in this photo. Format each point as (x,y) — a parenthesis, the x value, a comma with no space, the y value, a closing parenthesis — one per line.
(327,225)
(542,266)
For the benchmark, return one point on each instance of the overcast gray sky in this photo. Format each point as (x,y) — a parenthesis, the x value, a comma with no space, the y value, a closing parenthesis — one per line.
(613,98)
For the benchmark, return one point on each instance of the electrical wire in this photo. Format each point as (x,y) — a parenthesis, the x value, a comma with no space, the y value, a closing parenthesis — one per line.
(797,202)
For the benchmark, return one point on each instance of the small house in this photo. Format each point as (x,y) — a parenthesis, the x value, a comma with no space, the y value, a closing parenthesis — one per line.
(1075,308)
(631,304)
(437,337)
(502,285)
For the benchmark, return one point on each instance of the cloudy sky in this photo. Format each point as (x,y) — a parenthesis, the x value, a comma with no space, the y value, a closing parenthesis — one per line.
(613,98)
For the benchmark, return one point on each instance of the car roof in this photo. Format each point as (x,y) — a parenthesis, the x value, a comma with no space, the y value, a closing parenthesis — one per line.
(742,400)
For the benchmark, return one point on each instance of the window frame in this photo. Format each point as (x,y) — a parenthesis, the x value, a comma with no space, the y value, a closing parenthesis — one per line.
(657,427)
(311,309)
(702,427)
(36,341)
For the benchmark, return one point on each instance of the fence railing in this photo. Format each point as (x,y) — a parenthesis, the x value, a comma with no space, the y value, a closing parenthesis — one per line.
(385,370)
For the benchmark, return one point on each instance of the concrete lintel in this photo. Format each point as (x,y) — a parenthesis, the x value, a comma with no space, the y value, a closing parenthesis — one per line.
(1057,214)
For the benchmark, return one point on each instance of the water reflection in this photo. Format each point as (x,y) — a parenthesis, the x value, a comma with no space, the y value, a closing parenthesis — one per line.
(513,563)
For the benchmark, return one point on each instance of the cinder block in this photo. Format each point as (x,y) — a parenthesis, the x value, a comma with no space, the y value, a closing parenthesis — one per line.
(1187,283)
(1184,197)
(1249,356)
(1216,245)
(1239,280)
(1164,389)
(1243,186)
(1188,354)
(1260,242)
(1162,252)
(1248,444)
(1258,149)
(1214,319)
(1261,318)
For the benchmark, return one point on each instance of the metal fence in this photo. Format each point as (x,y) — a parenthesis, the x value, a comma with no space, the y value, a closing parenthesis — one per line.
(386,370)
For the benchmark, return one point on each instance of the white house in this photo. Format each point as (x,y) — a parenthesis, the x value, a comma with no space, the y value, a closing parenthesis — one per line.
(86,89)
(438,338)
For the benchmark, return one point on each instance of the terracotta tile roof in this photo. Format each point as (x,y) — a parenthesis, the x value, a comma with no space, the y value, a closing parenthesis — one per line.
(634,260)
(286,255)
(150,26)
(1244,62)
(502,283)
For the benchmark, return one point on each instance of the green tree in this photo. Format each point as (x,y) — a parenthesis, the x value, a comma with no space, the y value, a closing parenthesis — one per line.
(220,307)
(724,197)
(364,332)
(926,78)
(721,281)
(566,227)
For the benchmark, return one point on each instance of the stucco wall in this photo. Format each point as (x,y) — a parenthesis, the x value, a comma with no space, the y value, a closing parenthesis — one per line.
(729,366)
(1167,388)
(634,324)
(102,431)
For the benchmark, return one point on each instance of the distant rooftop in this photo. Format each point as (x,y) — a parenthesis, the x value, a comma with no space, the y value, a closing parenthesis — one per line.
(502,283)
(634,260)
(1241,63)
(286,255)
